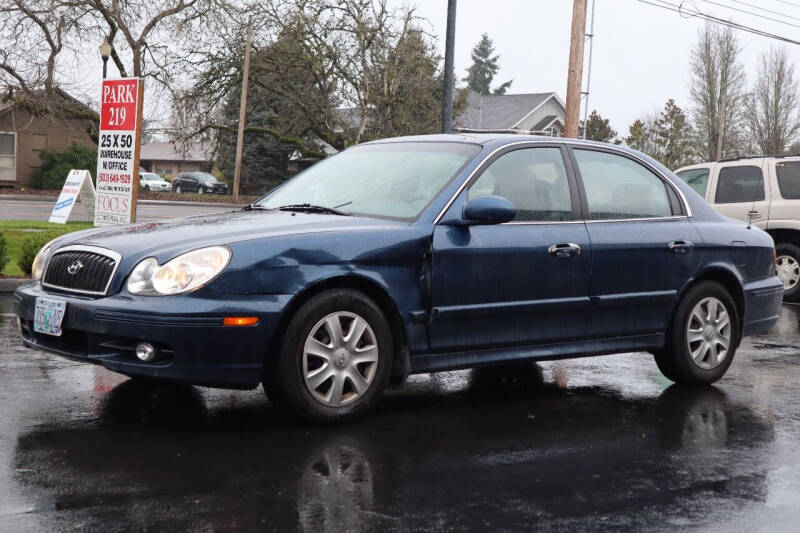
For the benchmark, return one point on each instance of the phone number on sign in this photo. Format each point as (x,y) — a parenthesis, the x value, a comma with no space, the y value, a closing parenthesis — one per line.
(104,177)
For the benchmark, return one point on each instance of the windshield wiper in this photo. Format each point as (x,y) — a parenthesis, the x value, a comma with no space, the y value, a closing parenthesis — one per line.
(256,207)
(313,208)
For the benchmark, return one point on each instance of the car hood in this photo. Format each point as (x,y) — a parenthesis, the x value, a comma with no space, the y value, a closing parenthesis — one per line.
(170,237)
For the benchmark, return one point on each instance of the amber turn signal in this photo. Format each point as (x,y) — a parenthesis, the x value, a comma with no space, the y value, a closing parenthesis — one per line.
(240,321)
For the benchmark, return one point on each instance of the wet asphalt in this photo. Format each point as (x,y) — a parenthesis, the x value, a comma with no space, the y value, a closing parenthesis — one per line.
(588,444)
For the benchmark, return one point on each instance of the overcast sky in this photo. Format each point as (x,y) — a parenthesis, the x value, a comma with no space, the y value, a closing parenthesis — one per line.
(640,54)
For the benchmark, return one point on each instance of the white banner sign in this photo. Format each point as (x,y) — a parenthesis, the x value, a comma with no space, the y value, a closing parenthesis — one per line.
(78,184)
(118,152)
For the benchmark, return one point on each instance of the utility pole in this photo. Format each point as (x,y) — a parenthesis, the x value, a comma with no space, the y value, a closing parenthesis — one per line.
(575,70)
(590,38)
(237,169)
(449,82)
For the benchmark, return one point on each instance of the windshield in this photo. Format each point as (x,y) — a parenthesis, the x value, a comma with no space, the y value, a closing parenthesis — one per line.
(697,178)
(202,176)
(393,180)
(150,177)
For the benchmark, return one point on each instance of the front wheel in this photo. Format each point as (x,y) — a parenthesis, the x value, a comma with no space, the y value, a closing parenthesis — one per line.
(703,337)
(199,190)
(335,358)
(788,265)
(177,189)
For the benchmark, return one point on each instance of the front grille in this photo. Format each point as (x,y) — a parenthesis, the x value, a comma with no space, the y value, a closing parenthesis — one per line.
(80,271)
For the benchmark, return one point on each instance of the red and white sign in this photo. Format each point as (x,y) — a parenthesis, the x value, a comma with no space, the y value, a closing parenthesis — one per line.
(118,151)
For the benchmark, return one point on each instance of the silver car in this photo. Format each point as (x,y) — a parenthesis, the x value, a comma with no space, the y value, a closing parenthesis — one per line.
(151,181)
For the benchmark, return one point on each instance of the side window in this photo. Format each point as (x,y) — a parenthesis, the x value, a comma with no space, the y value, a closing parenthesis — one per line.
(739,184)
(697,179)
(789,179)
(618,188)
(533,179)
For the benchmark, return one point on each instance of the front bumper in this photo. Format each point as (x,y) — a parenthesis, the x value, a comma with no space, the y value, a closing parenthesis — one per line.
(187,331)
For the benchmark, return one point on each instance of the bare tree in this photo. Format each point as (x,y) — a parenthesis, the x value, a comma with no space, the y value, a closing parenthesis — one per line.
(338,72)
(774,109)
(717,92)
(34,34)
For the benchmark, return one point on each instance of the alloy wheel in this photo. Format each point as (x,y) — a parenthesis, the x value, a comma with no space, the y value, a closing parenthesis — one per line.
(788,271)
(708,333)
(340,358)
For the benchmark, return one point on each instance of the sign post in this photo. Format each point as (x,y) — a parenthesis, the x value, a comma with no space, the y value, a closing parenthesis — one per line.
(118,151)
(78,185)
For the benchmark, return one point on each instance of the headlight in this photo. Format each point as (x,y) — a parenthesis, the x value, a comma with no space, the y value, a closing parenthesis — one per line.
(40,261)
(185,273)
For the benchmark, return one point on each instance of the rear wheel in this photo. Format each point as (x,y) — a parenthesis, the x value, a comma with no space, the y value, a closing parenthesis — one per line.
(703,337)
(788,264)
(200,190)
(335,358)
(177,189)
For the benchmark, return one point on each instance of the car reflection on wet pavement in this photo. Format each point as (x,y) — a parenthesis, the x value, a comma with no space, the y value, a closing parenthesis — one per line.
(586,444)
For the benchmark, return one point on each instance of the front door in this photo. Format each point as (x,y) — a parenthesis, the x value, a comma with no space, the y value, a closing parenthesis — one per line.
(643,244)
(520,283)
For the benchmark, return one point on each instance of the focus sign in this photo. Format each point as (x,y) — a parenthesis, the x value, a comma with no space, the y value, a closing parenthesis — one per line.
(118,151)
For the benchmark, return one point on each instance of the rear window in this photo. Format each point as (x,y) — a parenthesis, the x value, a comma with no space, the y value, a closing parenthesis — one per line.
(740,184)
(696,178)
(789,179)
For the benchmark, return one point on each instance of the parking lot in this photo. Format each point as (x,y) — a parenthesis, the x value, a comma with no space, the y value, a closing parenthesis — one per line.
(587,444)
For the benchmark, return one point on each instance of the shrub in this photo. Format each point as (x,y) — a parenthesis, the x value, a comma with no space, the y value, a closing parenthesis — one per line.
(31,246)
(3,252)
(57,164)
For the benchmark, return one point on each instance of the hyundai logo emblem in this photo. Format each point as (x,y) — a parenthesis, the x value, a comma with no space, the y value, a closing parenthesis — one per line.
(74,267)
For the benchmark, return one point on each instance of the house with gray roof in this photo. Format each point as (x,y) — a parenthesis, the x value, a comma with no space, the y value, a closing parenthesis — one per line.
(538,112)
(168,159)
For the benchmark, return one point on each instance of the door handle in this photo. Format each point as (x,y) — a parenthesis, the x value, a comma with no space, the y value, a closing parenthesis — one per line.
(754,213)
(565,249)
(680,247)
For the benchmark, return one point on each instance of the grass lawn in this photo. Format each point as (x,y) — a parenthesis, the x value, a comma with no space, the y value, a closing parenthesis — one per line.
(15,231)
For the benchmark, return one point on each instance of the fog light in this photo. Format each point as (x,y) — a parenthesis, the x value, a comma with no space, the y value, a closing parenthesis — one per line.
(145,352)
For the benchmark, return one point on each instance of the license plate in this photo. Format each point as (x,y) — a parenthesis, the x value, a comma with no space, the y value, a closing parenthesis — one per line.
(48,315)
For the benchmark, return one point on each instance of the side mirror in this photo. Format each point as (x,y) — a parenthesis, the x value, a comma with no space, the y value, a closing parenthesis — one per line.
(489,210)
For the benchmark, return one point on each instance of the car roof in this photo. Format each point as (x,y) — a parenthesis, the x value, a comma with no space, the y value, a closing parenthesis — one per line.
(500,139)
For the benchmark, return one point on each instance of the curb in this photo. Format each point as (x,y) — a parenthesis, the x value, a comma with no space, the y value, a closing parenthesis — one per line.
(8,286)
(38,198)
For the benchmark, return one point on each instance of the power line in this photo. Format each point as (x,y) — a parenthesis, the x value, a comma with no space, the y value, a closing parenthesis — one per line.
(711,18)
(765,9)
(793,4)
(725,6)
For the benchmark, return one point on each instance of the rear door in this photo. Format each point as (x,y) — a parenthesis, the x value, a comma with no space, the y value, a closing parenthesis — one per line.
(643,244)
(785,185)
(741,191)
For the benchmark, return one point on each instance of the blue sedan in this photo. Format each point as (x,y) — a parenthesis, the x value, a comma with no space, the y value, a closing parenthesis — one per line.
(409,255)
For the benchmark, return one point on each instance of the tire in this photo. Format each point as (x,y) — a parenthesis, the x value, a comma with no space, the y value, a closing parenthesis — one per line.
(335,398)
(177,189)
(788,263)
(200,190)
(147,188)
(676,359)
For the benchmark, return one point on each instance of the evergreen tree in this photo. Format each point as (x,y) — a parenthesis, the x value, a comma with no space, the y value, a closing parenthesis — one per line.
(484,67)
(639,136)
(599,129)
(672,137)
